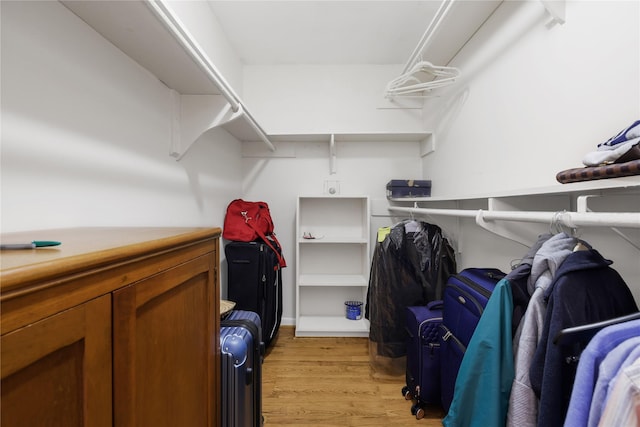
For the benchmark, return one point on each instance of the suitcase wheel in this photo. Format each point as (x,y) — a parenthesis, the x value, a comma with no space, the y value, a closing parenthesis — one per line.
(406,393)
(417,410)
(414,408)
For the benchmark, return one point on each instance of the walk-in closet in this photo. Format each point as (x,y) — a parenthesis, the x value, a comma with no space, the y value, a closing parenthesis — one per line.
(129,127)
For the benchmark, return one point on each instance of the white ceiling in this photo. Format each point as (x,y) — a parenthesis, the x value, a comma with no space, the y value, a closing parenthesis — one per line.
(266,32)
(339,32)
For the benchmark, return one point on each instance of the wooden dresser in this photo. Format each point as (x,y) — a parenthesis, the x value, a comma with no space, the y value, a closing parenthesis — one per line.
(114,327)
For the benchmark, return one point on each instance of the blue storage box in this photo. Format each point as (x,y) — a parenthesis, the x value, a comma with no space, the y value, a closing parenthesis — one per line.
(408,188)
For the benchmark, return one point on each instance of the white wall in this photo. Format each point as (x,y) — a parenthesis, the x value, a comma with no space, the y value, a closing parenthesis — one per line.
(323,98)
(536,98)
(86,134)
(86,131)
(203,26)
(315,99)
(363,168)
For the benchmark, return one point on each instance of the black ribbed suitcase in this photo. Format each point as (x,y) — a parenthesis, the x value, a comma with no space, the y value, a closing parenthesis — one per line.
(242,352)
(254,283)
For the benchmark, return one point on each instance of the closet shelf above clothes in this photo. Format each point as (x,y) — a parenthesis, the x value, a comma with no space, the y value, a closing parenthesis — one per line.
(286,143)
(498,212)
(150,32)
(623,184)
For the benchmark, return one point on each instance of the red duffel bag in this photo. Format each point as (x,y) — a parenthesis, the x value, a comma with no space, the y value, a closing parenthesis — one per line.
(248,221)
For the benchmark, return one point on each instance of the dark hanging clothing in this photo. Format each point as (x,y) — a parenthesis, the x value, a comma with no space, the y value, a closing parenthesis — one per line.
(585,290)
(407,269)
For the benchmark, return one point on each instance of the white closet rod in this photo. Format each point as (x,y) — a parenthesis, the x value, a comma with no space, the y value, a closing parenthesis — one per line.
(257,129)
(568,219)
(175,27)
(428,34)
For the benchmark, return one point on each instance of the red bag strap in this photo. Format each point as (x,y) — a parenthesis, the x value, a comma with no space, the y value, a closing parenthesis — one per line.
(282,263)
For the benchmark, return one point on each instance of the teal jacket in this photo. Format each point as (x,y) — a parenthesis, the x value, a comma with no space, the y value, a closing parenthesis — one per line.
(483,385)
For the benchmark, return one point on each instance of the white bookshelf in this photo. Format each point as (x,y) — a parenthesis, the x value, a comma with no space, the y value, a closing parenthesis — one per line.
(333,267)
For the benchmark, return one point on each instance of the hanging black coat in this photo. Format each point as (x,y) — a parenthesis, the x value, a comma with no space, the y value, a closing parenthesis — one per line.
(407,269)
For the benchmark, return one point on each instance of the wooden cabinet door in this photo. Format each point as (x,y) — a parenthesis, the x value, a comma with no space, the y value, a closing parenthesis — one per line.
(57,371)
(165,348)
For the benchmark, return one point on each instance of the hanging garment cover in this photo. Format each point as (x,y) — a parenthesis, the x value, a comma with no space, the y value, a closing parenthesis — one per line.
(407,269)
(488,362)
(585,290)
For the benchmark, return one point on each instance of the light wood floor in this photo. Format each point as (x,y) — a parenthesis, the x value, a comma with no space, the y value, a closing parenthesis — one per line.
(327,382)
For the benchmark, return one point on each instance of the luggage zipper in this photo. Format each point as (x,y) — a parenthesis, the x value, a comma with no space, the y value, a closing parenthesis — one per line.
(482,291)
(469,297)
(432,348)
(496,277)
(275,323)
(263,302)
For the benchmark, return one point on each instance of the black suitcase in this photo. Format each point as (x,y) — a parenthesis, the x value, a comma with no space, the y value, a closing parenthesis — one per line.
(255,283)
(241,351)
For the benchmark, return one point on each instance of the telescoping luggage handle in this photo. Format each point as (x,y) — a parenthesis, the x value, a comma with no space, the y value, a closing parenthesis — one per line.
(435,305)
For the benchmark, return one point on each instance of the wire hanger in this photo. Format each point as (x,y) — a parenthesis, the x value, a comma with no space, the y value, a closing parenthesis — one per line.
(557,226)
(422,78)
(412,225)
(418,76)
(554,226)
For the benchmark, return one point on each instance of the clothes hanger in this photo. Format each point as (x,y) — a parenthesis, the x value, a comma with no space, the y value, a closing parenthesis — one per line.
(411,226)
(583,333)
(557,226)
(422,77)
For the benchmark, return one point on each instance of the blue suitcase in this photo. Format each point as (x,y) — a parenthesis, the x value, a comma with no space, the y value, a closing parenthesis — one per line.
(242,352)
(465,296)
(423,356)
